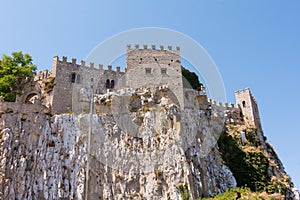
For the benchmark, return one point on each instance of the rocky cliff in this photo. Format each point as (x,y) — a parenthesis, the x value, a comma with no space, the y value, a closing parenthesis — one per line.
(149,149)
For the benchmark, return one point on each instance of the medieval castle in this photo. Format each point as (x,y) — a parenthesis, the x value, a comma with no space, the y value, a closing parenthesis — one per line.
(71,86)
(142,133)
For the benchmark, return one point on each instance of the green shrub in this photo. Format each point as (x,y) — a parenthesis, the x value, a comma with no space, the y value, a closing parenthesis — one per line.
(250,169)
(231,194)
(183,190)
(190,79)
(253,138)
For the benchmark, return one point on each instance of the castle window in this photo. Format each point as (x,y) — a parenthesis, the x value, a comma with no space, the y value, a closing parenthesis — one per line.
(73,78)
(112,84)
(244,104)
(107,84)
(32,98)
(78,79)
(163,71)
(148,70)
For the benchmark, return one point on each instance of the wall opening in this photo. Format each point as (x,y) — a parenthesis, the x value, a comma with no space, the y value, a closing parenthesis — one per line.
(112,84)
(244,104)
(107,84)
(148,70)
(32,98)
(73,78)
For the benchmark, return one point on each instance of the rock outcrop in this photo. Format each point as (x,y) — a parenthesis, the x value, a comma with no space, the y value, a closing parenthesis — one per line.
(135,146)
(160,156)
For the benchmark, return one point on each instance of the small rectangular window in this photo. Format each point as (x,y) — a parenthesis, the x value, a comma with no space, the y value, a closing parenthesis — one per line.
(148,70)
(164,71)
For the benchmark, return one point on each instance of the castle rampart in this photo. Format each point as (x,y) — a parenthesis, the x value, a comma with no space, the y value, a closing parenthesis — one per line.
(153,47)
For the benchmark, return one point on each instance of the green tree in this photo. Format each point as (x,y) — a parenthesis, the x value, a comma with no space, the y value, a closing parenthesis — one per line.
(13,71)
(190,79)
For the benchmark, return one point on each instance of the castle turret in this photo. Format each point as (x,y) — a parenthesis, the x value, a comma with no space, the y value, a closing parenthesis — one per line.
(249,108)
(155,66)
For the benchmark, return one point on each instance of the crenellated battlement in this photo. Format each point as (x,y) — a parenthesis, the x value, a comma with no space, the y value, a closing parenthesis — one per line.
(243,91)
(221,104)
(152,47)
(65,63)
(42,75)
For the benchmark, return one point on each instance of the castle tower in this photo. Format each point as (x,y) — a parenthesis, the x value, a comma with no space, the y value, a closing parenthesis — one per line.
(66,75)
(249,108)
(151,66)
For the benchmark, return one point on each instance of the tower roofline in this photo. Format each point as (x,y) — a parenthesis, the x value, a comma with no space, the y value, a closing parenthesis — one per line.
(153,47)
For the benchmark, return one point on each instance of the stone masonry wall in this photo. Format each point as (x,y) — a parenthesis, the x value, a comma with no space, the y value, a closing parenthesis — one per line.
(68,93)
(249,108)
(155,67)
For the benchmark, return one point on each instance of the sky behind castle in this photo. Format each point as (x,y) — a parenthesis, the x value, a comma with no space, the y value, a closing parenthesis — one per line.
(254,44)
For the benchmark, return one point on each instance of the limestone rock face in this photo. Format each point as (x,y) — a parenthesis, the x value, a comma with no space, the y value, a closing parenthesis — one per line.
(155,151)
(140,145)
(41,157)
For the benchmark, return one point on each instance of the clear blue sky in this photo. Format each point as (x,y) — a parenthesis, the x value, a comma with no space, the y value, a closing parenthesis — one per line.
(255,44)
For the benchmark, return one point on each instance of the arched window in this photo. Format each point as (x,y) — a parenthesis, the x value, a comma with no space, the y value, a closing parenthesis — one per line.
(73,78)
(244,104)
(32,98)
(112,84)
(107,84)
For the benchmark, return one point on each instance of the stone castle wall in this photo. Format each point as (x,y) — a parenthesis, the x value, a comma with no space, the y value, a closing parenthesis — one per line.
(59,142)
(249,108)
(155,66)
(74,82)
